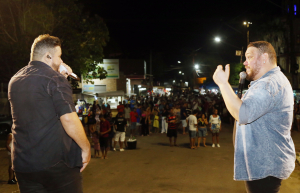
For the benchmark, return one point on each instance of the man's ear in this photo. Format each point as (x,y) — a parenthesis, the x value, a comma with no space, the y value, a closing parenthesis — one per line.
(265,57)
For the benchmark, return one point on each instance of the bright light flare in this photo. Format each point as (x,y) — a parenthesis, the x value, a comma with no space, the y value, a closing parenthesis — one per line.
(217,39)
(196,66)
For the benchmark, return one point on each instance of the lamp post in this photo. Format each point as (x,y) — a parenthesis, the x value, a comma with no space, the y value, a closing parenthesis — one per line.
(247,23)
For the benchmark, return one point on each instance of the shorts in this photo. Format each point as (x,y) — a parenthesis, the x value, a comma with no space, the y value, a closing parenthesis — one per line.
(172,133)
(133,125)
(120,135)
(183,123)
(215,128)
(192,134)
(138,124)
(103,142)
(202,132)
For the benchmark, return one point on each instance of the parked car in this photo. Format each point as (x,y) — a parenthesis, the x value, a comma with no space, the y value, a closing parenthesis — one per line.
(5,124)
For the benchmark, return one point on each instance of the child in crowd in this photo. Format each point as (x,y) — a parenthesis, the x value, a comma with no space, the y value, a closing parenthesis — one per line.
(95,138)
(156,122)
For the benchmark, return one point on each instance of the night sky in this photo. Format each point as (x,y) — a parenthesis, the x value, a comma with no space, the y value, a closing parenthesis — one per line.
(176,28)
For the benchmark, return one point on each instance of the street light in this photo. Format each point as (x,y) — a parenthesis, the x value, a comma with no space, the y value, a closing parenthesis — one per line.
(179,72)
(196,66)
(217,39)
(247,23)
(179,62)
(182,73)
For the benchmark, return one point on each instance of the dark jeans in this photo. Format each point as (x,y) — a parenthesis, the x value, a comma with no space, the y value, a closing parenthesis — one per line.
(269,184)
(57,179)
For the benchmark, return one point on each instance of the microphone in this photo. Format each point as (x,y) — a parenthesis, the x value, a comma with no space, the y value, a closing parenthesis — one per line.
(63,68)
(241,83)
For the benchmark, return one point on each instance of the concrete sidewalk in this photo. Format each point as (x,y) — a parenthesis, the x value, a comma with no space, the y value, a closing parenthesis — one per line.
(156,167)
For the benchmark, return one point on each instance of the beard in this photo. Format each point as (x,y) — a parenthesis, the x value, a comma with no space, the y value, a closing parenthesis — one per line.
(252,72)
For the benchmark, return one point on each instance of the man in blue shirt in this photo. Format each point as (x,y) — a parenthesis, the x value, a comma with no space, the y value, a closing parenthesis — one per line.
(264,149)
(139,112)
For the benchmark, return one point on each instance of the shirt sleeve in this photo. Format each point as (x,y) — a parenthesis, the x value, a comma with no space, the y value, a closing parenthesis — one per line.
(256,104)
(60,90)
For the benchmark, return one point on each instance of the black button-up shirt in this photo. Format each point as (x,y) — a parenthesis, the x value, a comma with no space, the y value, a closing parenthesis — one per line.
(38,96)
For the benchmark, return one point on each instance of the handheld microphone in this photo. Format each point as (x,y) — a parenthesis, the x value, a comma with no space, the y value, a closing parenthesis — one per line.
(241,83)
(72,75)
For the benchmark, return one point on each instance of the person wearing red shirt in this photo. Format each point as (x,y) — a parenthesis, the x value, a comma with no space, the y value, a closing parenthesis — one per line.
(120,108)
(104,134)
(133,119)
(172,129)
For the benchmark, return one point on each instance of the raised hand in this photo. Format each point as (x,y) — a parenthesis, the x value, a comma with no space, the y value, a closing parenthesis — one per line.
(220,76)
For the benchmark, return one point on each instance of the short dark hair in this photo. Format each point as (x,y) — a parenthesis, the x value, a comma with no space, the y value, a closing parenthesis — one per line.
(265,47)
(195,112)
(42,44)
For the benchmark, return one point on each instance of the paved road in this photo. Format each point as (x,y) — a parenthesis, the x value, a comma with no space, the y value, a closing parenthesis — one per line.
(156,167)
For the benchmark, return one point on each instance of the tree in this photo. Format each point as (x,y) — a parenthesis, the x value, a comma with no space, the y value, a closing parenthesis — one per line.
(83,37)
(235,70)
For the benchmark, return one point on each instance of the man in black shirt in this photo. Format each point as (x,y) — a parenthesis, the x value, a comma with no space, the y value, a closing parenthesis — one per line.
(120,124)
(50,147)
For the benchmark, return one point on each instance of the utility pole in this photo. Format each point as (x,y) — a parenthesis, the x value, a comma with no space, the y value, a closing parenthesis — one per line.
(151,75)
(247,23)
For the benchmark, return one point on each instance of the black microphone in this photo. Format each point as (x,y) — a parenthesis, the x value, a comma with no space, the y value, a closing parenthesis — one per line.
(241,83)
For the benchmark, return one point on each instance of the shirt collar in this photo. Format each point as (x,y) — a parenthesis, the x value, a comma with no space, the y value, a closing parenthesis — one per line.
(40,63)
(266,74)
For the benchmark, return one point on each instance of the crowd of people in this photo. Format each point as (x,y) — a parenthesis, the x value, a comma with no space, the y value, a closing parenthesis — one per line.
(185,113)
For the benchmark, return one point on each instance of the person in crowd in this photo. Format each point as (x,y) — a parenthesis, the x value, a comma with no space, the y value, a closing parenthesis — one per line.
(138,119)
(52,124)
(183,116)
(264,148)
(127,113)
(11,174)
(104,136)
(202,129)
(192,123)
(95,138)
(172,129)
(120,108)
(112,132)
(165,115)
(149,120)
(144,123)
(120,124)
(215,127)
(98,113)
(133,120)
(156,122)
(91,121)
(108,110)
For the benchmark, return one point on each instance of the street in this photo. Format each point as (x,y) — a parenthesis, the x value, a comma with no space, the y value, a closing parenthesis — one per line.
(156,167)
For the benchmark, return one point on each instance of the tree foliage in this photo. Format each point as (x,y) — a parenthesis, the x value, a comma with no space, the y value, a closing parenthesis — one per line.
(83,37)
(235,70)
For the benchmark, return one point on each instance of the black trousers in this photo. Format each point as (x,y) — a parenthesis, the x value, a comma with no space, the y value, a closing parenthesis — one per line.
(269,184)
(57,179)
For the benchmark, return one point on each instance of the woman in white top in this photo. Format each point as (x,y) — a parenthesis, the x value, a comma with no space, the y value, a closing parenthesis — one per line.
(215,127)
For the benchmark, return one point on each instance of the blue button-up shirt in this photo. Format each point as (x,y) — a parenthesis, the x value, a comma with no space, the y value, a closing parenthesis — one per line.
(263,143)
